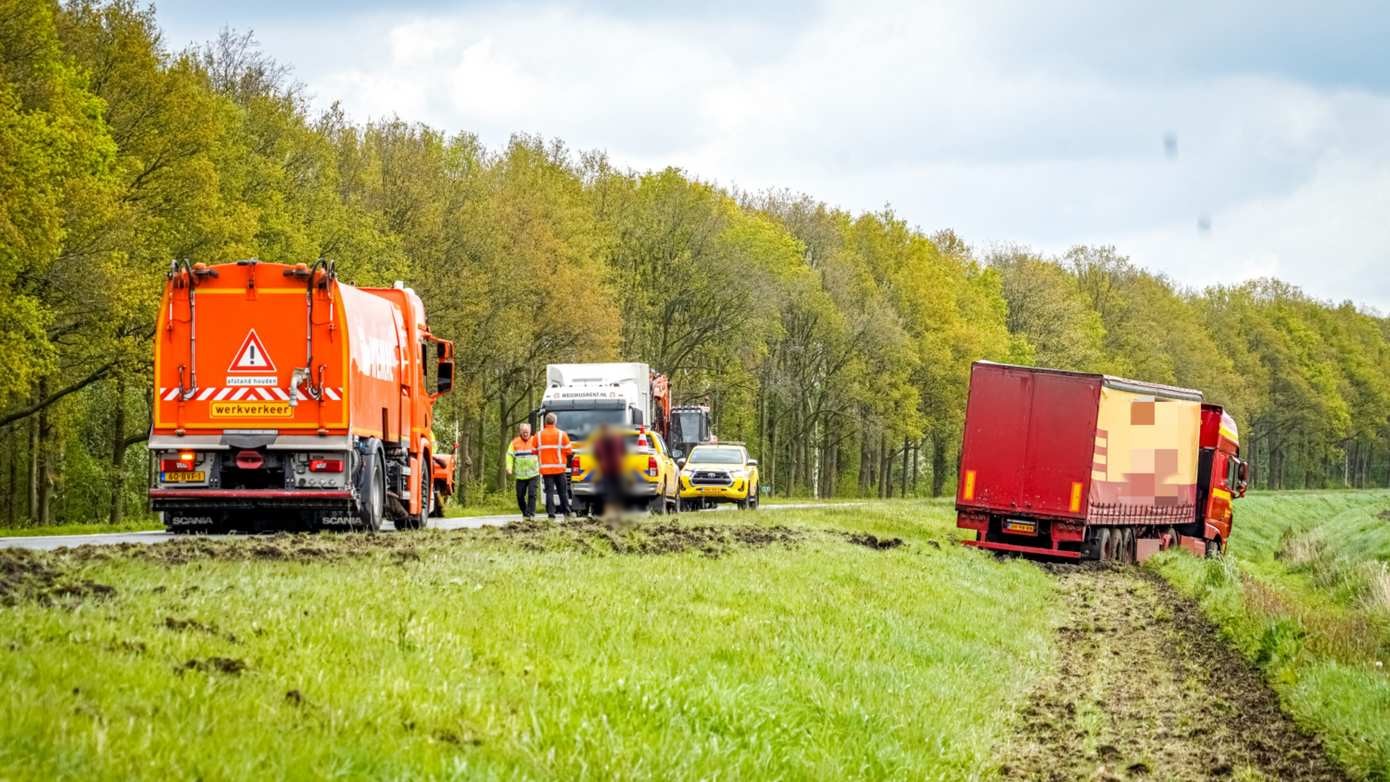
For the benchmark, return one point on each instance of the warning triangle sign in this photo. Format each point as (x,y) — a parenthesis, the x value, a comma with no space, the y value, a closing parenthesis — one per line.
(251,357)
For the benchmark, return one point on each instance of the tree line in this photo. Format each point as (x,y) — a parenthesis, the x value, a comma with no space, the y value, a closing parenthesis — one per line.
(836,344)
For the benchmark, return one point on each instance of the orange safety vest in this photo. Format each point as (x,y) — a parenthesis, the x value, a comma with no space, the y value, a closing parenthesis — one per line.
(555,449)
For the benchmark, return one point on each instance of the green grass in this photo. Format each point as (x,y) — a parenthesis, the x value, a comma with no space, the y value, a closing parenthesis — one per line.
(134,525)
(1303,593)
(492,654)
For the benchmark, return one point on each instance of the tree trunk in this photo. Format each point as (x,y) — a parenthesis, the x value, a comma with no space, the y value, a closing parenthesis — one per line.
(118,447)
(884,467)
(938,465)
(480,466)
(865,465)
(499,473)
(772,452)
(12,476)
(32,506)
(902,492)
(44,501)
(916,468)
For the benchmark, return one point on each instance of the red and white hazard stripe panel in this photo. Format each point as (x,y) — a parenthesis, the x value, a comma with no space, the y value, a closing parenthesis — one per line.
(236,393)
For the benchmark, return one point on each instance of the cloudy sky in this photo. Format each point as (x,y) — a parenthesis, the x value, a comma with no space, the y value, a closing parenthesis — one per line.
(1211,141)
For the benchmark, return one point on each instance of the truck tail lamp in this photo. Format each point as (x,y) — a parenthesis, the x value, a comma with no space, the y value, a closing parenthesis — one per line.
(325,465)
(185,461)
(574,464)
(652,468)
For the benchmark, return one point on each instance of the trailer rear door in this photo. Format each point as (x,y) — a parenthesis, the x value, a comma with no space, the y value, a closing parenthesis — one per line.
(1029,441)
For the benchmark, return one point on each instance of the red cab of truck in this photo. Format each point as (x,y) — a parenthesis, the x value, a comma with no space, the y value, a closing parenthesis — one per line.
(1088,466)
(285,397)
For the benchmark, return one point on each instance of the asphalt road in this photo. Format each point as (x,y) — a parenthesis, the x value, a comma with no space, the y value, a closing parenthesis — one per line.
(50,542)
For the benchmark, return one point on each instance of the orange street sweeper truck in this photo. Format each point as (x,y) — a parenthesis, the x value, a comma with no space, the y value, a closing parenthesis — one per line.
(285,398)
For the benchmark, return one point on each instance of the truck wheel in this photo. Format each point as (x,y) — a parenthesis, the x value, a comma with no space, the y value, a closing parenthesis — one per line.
(373,494)
(1105,545)
(1213,548)
(437,509)
(1131,546)
(422,520)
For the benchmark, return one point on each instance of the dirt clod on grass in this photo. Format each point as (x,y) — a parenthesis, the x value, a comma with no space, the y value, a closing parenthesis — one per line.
(643,537)
(228,665)
(27,575)
(1146,688)
(873,541)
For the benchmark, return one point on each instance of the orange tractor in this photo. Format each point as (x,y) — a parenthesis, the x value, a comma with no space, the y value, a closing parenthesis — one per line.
(284,397)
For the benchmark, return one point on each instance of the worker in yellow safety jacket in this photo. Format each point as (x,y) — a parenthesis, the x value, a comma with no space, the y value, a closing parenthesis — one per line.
(555,451)
(524,465)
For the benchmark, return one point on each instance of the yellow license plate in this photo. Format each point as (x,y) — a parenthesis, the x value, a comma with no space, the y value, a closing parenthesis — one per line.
(1022,527)
(194,476)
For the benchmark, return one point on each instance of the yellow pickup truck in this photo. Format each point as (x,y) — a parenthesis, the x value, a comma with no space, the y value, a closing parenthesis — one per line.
(650,479)
(722,472)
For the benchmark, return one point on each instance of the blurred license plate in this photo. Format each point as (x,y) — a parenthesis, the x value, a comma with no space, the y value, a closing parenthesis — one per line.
(1021,527)
(194,476)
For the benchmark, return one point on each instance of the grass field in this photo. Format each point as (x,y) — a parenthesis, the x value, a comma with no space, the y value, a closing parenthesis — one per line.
(134,525)
(725,646)
(1305,594)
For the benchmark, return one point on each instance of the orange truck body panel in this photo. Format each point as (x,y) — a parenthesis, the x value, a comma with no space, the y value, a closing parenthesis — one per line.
(251,349)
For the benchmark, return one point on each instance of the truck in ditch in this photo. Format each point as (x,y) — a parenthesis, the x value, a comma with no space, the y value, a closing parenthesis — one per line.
(284,397)
(1076,465)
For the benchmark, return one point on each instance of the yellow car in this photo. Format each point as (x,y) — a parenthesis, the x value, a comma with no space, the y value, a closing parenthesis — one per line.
(720,472)
(650,480)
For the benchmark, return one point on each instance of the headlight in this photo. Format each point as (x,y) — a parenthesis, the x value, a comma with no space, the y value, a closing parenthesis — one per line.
(738,473)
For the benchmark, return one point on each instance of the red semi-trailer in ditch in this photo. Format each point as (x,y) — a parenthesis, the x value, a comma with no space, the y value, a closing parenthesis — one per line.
(284,397)
(1087,466)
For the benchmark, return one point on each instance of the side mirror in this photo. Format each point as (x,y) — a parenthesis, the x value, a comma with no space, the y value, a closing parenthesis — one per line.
(752,462)
(1243,472)
(444,378)
(680,461)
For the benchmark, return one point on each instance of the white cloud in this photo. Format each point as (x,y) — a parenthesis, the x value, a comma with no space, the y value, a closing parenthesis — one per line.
(1002,122)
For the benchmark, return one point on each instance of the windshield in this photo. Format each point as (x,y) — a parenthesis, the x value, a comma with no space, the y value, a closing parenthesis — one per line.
(579,424)
(688,427)
(706,454)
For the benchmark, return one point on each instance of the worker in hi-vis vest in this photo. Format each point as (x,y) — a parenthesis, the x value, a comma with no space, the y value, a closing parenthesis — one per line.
(556,451)
(524,465)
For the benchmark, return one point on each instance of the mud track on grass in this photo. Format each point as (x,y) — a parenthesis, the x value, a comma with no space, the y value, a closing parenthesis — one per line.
(1146,688)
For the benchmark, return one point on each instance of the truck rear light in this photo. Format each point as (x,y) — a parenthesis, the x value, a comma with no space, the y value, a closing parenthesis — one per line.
(325,465)
(184,462)
(249,460)
(574,465)
(651,466)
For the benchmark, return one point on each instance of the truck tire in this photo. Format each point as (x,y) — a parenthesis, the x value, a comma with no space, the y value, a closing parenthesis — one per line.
(1108,538)
(437,510)
(422,519)
(1213,548)
(373,493)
